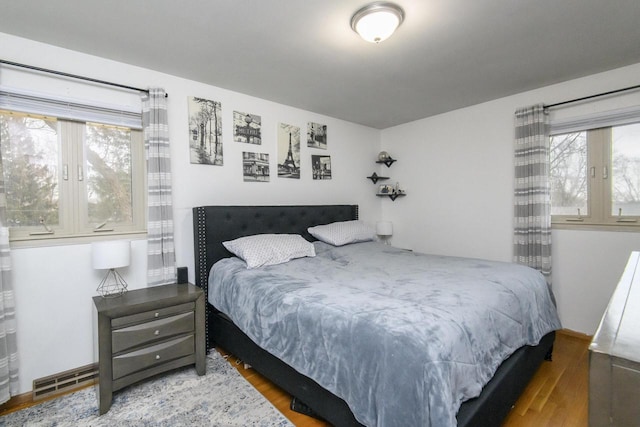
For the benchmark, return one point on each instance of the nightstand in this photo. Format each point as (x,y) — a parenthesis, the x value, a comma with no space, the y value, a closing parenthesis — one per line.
(148,331)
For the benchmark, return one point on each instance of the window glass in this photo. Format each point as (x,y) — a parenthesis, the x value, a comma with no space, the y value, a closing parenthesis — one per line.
(568,174)
(108,156)
(625,176)
(30,159)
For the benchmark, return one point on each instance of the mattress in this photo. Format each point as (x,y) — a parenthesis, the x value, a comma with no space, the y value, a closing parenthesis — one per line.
(404,338)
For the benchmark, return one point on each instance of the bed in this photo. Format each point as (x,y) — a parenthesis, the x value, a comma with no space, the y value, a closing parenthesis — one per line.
(216,224)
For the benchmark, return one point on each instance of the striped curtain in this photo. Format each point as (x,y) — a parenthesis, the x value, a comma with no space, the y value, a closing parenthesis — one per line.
(532,229)
(161,259)
(8,340)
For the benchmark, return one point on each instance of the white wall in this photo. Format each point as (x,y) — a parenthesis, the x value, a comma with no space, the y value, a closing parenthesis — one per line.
(457,169)
(54,285)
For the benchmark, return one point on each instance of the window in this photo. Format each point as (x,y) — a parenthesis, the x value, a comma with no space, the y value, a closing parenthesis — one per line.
(67,178)
(595,176)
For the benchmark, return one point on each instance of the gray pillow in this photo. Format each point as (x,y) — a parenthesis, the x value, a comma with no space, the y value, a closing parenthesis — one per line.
(343,233)
(269,249)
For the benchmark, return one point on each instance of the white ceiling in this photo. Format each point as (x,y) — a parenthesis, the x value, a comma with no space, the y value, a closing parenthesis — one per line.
(447,54)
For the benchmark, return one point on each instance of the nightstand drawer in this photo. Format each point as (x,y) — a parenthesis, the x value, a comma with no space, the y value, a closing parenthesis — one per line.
(150,356)
(143,333)
(151,315)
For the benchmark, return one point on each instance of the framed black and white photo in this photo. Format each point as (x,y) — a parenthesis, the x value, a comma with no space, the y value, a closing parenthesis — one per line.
(247,128)
(321,166)
(205,131)
(288,151)
(255,167)
(316,135)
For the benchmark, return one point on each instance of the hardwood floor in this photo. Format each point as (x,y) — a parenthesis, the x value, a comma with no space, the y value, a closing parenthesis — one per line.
(557,395)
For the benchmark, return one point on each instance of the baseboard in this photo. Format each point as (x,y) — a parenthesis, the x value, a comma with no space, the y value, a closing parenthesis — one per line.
(16,402)
(575,334)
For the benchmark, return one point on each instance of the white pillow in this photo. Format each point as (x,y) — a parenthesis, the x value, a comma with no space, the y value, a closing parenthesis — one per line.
(269,249)
(342,233)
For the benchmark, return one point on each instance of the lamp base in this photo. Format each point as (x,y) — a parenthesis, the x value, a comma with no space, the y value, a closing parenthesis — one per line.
(113,285)
(385,239)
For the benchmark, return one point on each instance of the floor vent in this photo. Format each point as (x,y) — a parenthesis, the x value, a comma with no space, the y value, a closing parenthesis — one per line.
(64,382)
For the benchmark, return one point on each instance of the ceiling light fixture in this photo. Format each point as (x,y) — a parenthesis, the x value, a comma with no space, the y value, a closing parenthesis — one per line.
(377,21)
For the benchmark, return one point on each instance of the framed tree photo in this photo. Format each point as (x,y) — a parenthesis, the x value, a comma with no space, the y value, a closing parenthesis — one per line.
(205,131)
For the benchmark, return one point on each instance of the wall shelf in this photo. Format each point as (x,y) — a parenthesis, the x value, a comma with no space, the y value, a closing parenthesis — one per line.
(386,190)
(375,178)
(388,161)
(392,196)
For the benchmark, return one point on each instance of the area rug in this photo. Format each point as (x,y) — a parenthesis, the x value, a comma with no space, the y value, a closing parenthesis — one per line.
(220,398)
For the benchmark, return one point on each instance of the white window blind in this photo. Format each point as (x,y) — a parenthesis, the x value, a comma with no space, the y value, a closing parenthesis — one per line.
(77,110)
(618,117)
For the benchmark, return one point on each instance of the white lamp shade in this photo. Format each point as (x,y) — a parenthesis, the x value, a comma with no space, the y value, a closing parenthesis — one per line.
(384,228)
(110,254)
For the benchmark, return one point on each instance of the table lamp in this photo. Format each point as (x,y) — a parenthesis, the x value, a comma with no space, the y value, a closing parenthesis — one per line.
(110,255)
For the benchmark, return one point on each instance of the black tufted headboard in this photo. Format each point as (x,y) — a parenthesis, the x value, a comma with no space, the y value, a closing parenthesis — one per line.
(213,225)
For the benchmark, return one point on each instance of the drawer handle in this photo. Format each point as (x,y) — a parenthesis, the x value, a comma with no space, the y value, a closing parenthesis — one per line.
(157,357)
(157,314)
(157,332)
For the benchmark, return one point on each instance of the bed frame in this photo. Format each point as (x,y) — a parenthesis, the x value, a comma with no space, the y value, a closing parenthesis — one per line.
(213,225)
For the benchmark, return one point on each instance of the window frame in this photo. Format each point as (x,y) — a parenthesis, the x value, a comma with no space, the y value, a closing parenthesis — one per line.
(73,213)
(599,187)
(138,193)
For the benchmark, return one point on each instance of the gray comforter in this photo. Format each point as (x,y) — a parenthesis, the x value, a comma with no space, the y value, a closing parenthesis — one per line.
(404,338)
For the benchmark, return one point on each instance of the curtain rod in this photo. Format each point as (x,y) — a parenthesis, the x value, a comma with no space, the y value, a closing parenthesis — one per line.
(597,95)
(74,76)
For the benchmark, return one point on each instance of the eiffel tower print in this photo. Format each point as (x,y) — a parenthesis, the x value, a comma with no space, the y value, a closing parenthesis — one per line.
(290,163)
(289,166)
